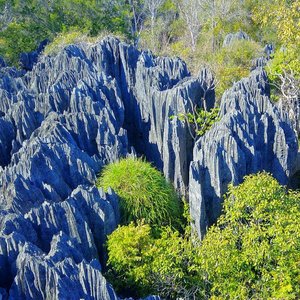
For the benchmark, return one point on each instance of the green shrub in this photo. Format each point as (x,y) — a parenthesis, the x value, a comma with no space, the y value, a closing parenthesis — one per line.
(286,63)
(144,193)
(19,37)
(128,259)
(64,39)
(75,36)
(253,251)
(32,21)
(199,121)
(142,265)
(234,62)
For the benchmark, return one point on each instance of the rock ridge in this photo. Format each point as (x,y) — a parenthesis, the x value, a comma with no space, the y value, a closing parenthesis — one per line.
(252,136)
(92,104)
(60,123)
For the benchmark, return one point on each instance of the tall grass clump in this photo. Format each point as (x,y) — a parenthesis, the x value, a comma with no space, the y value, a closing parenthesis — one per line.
(144,192)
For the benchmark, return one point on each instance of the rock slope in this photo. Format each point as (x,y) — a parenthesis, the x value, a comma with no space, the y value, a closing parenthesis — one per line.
(91,104)
(59,124)
(252,136)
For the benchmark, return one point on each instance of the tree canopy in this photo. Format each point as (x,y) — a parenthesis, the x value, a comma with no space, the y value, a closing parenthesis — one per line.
(193,30)
(251,253)
(253,250)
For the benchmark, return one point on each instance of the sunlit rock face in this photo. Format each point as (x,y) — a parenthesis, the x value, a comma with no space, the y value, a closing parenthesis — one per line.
(252,135)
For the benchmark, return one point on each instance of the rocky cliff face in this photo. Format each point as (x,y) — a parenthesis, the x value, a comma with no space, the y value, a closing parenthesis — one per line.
(90,105)
(153,90)
(252,136)
(59,124)
(291,106)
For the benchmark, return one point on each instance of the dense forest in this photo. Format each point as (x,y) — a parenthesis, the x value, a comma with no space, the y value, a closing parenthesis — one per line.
(171,177)
(191,29)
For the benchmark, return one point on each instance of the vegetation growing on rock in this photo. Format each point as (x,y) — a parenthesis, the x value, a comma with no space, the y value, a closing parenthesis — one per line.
(192,29)
(199,121)
(167,265)
(252,252)
(144,192)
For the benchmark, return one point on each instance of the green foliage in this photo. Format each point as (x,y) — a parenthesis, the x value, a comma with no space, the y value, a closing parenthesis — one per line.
(35,20)
(285,63)
(141,265)
(64,39)
(284,59)
(201,120)
(253,251)
(283,16)
(74,37)
(128,259)
(144,193)
(19,37)
(234,62)
(175,268)
(160,28)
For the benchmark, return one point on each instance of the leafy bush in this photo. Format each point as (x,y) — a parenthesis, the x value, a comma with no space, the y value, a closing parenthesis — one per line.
(144,193)
(64,39)
(176,272)
(17,38)
(141,265)
(200,120)
(75,36)
(128,259)
(253,251)
(284,73)
(229,64)
(234,62)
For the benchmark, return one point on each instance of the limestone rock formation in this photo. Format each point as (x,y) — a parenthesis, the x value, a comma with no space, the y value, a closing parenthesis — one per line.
(232,37)
(291,106)
(153,90)
(27,60)
(2,62)
(52,250)
(251,136)
(59,124)
(89,105)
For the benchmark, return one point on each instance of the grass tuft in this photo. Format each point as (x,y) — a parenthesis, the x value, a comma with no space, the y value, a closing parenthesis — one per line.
(144,192)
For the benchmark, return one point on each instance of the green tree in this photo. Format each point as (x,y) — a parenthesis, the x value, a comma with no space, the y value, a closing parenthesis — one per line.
(128,259)
(284,69)
(166,265)
(175,269)
(253,251)
(158,28)
(25,23)
(283,16)
(144,192)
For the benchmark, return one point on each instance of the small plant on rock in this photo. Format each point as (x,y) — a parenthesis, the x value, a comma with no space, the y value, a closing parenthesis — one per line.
(199,120)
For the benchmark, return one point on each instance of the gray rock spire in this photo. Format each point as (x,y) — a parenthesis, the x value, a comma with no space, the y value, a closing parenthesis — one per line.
(251,136)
